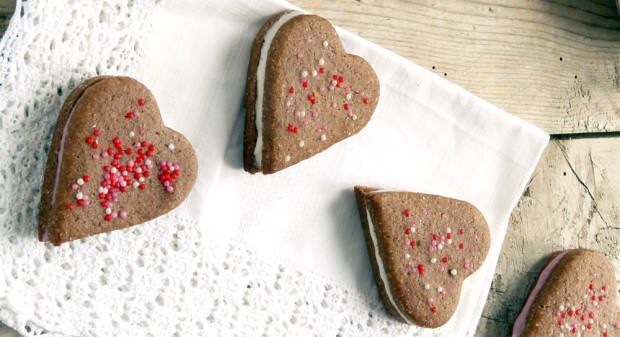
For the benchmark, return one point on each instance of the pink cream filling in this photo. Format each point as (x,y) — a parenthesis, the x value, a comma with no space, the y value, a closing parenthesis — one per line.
(521,321)
(65,131)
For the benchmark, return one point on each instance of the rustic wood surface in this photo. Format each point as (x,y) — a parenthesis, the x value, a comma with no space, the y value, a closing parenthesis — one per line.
(553,63)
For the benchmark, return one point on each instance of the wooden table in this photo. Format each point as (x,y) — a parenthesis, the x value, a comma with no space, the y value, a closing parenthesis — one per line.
(555,64)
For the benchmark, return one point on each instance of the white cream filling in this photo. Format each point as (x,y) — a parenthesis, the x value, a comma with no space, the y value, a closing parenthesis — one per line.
(260,82)
(382,273)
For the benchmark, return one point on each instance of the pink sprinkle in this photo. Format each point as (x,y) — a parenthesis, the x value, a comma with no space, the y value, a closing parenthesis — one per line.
(347,90)
(167,183)
(334,105)
(314,114)
(170,189)
(123,214)
(350,113)
(75,187)
(114,215)
(430,300)
(431,249)
(300,55)
(104,154)
(442,269)
(95,156)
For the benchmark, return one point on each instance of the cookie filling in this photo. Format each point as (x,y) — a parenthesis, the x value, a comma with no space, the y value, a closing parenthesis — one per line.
(260,81)
(381,267)
(521,321)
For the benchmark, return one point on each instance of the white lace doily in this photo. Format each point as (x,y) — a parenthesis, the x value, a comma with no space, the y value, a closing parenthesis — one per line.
(170,277)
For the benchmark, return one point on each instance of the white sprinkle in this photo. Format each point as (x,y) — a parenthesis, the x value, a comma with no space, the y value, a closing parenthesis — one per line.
(323,137)
(136,184)
(449,230)
(80,181)
(171,147)
(287,158)
(314,73)
(325,43)
(123,183)
(302,113)
(440,246)
(562,308)
(412,229)
(139,170)
(302,143)
(449,241)
(321,61)
(108,210)
(113,170)
(141,179)
(132,134)
(100,189)
(427,286)
(304,74)
(349,96)
(407,256)
(439,289)
(433,260)
(148,162)
(334,82)
(453,272)
(79,195)
(604,326)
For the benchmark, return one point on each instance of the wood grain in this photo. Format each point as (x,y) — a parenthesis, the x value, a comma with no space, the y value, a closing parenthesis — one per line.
(553,63)
(572,202)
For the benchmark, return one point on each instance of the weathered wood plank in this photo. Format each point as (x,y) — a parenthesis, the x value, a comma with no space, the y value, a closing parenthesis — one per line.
(553,63)
(571,202)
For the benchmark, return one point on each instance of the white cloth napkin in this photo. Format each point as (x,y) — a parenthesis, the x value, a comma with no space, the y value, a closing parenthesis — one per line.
(245,255)
(426,135)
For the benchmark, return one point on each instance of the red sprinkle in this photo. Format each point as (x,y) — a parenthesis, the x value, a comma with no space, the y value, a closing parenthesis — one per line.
(412,243)
(69,207)
(335,77)
(141,101)
(129,115)
(366,101)
(461,231)
(107,217)
(461,245)
(86,179)
(292,128)
(448,235)
(142,187)
(346,106)
(421,269)
(304,83)
(407,231)
(434,309)
(444,260)
(406,212)
(90,140)
(321,70)
(96,133)
(291,90)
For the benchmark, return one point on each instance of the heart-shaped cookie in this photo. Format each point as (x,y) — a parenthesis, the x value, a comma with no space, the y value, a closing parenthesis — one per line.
(304,92)
(112,163)
(421,249)
(575,295)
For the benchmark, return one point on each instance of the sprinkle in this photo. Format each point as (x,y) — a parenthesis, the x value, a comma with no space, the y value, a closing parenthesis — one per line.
(434,309)
(461,245)
(123,214)
(304,74)
(322,70)
(287,158)
(433,260)
(108,210)
(366,101)
(132,134)
(314,73)
(300,55)
(421,269)
(80,181)
(453,272)
(75,187)
(140,101)
(323,137)
(427,286)
(321,61)
(406,212)
(349,96)
(444,259)
(439,289)
(325,43)
(291,90)
(302,143)
(292,128)
(79,195)
(440,246)
(407,256)
(354,117)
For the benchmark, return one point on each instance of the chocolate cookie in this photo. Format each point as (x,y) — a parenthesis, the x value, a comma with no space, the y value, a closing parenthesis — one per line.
(304,92)
(575,295)
(421,249)
(112,163)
